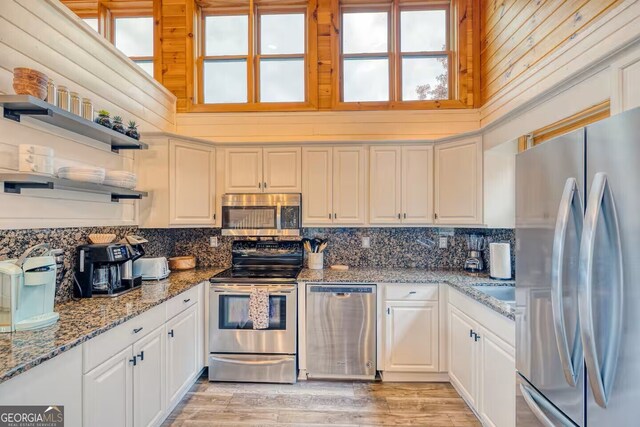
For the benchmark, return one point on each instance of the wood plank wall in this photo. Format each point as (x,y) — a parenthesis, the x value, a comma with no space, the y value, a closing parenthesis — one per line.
(517,34)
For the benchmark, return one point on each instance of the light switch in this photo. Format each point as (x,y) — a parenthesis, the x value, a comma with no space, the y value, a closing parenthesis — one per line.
(366,242)
(442,242)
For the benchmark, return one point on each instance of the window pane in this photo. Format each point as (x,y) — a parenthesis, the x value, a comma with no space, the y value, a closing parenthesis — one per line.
(146,66)
(366,80)
(423,30)
(226,35)
(281,80)
(424,78)
(364,32)
(282,33)
(92,22)
(225,82)
(134,36)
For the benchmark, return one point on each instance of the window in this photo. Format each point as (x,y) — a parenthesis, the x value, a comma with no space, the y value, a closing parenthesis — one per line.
(133,36)
(264,63)
(372,71)
(92,22)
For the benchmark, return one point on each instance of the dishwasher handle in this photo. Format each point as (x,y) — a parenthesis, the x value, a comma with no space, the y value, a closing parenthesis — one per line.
(342,291)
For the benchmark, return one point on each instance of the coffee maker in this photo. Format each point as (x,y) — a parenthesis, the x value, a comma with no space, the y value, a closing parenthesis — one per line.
(100,268)
(475,245)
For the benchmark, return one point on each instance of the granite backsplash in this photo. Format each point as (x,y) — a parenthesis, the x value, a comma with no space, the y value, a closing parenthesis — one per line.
(390,247)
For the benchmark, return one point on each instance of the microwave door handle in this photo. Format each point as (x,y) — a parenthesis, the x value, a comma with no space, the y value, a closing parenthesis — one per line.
(570,204)
(601,376)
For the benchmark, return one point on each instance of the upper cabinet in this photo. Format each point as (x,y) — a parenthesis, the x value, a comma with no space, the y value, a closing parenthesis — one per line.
(180,177)
(263,170)
(333,185)
(401,185)
(458,182)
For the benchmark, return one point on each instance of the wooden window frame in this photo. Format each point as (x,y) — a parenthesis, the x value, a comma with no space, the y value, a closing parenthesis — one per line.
(135,13)
(395,102)
(254,11)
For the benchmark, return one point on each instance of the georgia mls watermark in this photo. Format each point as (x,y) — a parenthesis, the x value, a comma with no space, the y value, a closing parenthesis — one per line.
(32,416)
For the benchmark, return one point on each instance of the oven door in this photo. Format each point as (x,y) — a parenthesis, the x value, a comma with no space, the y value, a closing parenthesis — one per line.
(231,331)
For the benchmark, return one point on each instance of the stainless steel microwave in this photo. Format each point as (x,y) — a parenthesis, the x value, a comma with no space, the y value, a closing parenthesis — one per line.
(261,214)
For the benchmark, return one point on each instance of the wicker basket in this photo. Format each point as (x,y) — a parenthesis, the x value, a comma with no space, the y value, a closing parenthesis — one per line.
(30,82)
(101,238)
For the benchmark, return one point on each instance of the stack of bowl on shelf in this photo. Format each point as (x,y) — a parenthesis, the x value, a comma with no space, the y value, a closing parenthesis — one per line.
(123,179)
(96,175)
(30,82)
(35,159)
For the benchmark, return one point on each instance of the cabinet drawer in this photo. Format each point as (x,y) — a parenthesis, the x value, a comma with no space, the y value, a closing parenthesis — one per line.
(102,347)
(182,301)
(412,292)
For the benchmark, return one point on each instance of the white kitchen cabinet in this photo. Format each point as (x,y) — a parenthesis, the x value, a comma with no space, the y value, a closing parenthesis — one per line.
(107,392)
(385,177)
(148,379)
(349,184)
(417,184)
(411,336)
(401,184)
(282,170)
(458,182)
(482,359)
(182,358)
(243,170)
(462,354)
(263,170)
(180,177)
(192,178)
(317,181)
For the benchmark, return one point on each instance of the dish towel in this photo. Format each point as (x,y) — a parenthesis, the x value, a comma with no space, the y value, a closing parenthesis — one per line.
(259,308)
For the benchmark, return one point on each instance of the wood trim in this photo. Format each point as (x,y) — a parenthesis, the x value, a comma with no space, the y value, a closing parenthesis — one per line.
(157,41)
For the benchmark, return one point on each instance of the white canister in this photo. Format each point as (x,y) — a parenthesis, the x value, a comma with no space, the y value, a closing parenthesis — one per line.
(500,260)
(316,260)
(36,164)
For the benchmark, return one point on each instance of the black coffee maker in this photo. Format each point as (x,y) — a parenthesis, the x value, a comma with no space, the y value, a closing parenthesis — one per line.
(99,270)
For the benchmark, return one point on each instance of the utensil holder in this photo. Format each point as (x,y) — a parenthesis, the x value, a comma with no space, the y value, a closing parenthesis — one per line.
(316,261)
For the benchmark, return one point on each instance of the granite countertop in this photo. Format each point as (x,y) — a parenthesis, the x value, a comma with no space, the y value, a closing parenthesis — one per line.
(460,280)
(81,320)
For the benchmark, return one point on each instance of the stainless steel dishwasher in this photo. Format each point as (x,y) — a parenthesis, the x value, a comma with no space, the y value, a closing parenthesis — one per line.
(341,331)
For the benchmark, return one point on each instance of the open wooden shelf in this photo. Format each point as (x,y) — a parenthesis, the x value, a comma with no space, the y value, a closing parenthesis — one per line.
(15,182)
(16,106)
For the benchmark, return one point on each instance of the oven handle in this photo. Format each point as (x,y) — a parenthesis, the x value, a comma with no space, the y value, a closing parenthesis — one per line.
(283,289)
(251,362)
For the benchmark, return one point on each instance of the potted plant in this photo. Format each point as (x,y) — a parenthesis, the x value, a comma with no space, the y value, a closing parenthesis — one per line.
(132,131)
(103,119)
(117,124)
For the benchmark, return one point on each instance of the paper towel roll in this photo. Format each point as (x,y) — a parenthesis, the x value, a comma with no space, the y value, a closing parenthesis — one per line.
(500,259)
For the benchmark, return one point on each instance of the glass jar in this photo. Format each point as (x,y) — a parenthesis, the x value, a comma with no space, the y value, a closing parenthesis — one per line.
(75,103)
(52,96)
(87,109)
(64,98)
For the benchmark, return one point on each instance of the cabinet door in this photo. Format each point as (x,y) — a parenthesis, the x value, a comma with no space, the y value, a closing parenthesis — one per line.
(243,170)
(497,382)
(384,185)
(462,354)
(411,330)
(182,332)
(317,178)
(107,389)
(282,170)
(458,182)
(192,188)
(417,185)
(349,183)
(149,379)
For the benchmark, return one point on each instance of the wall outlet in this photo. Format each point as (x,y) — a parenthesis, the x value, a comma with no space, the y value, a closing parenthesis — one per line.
(366,242)
(213,241)
(442,242)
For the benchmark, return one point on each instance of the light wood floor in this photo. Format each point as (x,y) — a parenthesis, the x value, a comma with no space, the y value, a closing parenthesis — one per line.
(321,403)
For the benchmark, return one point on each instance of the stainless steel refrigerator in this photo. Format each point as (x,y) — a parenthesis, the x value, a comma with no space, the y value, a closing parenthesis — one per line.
(578,277)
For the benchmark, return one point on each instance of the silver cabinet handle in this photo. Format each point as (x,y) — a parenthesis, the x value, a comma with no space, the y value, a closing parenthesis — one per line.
(570,204)
(601,377)
(535,401)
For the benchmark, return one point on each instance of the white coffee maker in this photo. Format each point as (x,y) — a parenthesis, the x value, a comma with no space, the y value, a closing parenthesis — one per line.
(27,291)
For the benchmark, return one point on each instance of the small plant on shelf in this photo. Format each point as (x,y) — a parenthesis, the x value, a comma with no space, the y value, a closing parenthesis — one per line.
(117,124)
(103,118)
(132,131)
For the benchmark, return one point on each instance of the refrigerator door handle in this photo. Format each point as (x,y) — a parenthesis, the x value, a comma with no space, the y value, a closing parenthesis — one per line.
(601,376)
(537,403)
(570,205)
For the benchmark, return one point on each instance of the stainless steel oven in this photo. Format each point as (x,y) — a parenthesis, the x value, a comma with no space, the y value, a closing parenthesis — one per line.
(261,214)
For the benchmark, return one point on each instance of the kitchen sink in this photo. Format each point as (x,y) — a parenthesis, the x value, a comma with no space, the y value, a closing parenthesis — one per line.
(503,293)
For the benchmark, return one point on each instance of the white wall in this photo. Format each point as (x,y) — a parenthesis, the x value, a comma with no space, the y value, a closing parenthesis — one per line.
(46,36)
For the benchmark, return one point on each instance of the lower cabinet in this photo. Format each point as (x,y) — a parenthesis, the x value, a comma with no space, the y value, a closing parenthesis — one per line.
(482,359)
(148,381)
(182,334)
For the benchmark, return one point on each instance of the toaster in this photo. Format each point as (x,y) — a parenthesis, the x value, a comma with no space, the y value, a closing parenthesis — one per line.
(151,268)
